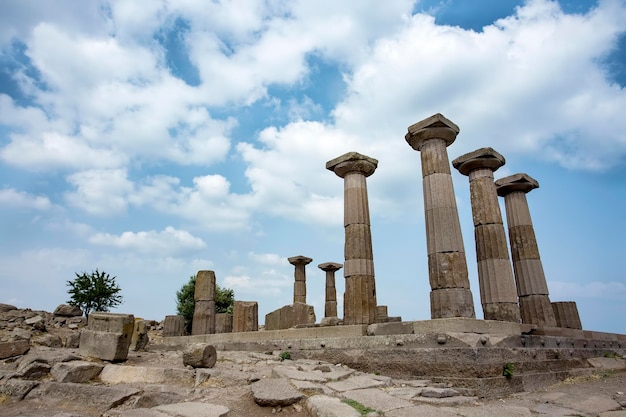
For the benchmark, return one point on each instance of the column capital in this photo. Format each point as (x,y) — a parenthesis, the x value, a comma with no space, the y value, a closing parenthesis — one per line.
(330,266)
(480,158)
(299,260)
(352,162)
(436,126)
(516,182)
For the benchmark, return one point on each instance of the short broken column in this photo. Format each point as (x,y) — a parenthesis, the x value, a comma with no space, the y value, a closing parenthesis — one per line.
(566,315)
(360,294)
(204,311)
(299,286)
(497,285)
(532,288)
(450,294)
(330,307)
(245,316)
(173,326)
(223,323)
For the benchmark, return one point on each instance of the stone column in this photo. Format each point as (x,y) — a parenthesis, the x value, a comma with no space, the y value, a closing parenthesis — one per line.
(204,311)
(330,308)
(360,295)
(245,316)
(495,275)
(566,315)
(532,288)
(173,326)
(299,286)
(447,267)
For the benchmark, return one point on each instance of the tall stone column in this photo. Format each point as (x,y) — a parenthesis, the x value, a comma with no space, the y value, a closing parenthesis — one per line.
(495,275)
(330,308)
(532,288)
(360,295)
(299,286)
(450,294)
(204,312)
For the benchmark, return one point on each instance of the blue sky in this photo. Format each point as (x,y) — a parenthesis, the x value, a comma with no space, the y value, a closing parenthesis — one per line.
(153,140)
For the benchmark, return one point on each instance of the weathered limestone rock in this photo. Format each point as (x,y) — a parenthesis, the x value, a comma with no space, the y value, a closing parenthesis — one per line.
(13,348)
(204,312)
(330,307)
(299,286)
(275,392)
(200,355)
(290,316)
(75,371)
(495,275)
(360,294)
(118,374)
(532,288)
(566,315)
(173,326)
(324,405)
(450,290)
(140,337)
(223,323)
(245,316)
(191,409)
(66,310)
(108,336)
(6,307)
(16,389)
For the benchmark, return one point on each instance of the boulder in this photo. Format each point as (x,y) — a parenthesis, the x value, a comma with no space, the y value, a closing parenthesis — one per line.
(13,348)
(16,388)
(108,336)
(66,310)
(6,307)
(118,374)
(200,355)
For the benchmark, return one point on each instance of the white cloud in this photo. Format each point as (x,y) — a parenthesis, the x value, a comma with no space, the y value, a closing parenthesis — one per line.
(168,241)
(100,192)
(13,198)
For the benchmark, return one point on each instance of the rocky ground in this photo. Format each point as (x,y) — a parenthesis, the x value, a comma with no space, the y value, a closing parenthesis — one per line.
(52,379)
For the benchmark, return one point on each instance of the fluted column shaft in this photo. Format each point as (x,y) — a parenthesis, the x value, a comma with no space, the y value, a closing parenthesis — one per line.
(204,311)
(330,307)
(450,290)
(532,288)
(360,293)
(495,276)
(299,285)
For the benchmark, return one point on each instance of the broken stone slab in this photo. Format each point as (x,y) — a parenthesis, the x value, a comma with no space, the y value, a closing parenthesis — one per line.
(326,406)
(66,310)
(46,355)
(120,374)
(108,336)
(431,392)
(292,373)
(406,393)
(275,392)
(82,397)
(193,409)
(13,348)
(490,411)
(421,410)
(377,399)
(356,382)
(139,340)
(200,355)
(76,371)
(607,363)
(455,401)
(34,370)
(16,389)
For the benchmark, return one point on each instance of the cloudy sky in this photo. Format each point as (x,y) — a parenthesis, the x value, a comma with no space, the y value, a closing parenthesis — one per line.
(155,139)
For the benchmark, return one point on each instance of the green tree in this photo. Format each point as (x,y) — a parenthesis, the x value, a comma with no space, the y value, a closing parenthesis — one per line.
(97,291)
(186,303)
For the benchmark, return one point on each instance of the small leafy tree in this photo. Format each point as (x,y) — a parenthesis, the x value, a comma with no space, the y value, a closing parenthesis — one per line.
(97,291)
(186,303)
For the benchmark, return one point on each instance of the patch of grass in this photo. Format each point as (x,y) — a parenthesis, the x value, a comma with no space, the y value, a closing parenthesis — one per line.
(360,408)
(285,356)
(613,355)
(507,370)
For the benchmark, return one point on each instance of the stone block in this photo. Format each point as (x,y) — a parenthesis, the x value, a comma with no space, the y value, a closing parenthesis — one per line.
(381,314)
(205,286)
(173,326)
(537,309)
(75,371)
(104,345)
(111,322)
(223,323)
(448,270)
(290,316)
(245,316)
(203,317)
(117,374)
(200,355)
(275,392)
